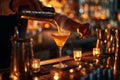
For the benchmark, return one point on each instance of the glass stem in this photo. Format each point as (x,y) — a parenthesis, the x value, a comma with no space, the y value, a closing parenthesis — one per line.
(60,54)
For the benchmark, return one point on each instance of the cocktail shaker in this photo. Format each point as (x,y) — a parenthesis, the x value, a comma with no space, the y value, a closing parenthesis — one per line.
(21,56)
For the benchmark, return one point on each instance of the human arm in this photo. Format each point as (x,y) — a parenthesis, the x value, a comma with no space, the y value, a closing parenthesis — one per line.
(62,20)
(32,5)
(69,24)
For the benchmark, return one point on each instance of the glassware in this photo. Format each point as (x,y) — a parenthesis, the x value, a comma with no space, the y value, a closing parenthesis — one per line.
(35,65)
(77,55)
(60,38)
(96,52)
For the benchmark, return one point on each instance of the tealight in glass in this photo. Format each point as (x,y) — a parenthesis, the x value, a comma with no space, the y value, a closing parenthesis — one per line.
(35,65)
(77,55)
(96,52)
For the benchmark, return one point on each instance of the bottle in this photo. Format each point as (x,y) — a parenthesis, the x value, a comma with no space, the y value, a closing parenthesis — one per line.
(24,14)
(37,15)
(69,24)
(48,14)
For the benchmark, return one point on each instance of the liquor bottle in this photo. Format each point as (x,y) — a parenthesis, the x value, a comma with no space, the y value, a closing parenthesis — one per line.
(24,14)
(70,24)
(48,14)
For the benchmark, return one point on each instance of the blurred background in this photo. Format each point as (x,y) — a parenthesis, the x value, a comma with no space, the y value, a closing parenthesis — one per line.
(99,13)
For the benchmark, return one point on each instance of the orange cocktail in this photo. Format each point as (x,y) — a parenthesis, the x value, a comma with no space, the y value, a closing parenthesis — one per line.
(60,38)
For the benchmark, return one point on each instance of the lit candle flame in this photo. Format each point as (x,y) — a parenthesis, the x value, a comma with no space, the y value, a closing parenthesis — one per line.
(77,55)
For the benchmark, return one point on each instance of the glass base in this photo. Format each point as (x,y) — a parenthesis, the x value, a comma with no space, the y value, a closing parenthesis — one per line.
(60,65)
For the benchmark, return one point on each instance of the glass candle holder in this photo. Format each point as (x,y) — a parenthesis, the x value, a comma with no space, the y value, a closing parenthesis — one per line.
(77,55)
(96,52)
(35,65)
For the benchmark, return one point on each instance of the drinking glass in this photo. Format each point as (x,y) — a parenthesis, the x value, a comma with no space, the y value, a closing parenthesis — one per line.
(60,38)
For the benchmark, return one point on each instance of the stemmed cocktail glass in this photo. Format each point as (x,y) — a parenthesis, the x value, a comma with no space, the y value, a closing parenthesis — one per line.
(60,37)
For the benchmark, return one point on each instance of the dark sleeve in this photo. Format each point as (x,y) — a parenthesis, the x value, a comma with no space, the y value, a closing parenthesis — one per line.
(7,24)
(10,5)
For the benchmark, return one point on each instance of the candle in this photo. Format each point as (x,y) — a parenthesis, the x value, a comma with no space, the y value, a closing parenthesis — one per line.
(35,64)
(96,51)
(71,75)
(77,55)
(35,78)
(14,76)
(56,74)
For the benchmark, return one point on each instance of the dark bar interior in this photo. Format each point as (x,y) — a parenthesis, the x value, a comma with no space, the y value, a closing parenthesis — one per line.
(65,40)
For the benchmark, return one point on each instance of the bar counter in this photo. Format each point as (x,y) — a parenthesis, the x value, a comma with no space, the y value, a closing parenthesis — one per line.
(106,67)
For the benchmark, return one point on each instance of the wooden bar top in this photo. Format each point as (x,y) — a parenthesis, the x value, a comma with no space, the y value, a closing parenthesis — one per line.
(106,68)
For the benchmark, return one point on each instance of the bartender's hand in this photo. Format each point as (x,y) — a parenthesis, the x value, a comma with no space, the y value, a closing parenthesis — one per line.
(30,4)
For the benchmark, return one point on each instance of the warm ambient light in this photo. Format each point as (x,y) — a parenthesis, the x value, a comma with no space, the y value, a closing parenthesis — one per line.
(77,55)
(32,25)
(85,16)
(118,17)
(56,74)
(71,70)
(103,17)
(46,25)
(96,51)
(13,76)
(35,78)
(35,64)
